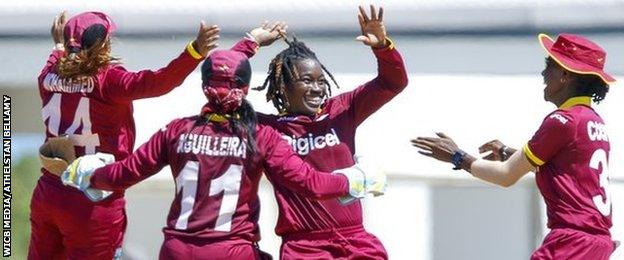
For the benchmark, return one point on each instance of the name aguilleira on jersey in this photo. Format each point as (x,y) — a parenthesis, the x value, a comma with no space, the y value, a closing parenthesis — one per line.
(212,145)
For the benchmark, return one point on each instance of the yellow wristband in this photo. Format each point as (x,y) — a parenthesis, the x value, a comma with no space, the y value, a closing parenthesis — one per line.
(390,45)
(191,50)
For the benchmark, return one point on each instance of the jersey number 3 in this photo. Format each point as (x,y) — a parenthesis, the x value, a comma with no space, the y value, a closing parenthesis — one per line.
(599,158)
(228,184)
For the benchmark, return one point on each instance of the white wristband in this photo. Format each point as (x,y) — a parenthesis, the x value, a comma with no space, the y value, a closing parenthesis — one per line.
(59,47)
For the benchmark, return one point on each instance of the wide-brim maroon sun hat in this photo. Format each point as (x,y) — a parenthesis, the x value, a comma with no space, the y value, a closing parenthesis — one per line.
(577,54)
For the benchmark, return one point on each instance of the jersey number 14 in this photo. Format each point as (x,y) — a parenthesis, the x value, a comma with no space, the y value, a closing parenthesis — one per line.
(51,113)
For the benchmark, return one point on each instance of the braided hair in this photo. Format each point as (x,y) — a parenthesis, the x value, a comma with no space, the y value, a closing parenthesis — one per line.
(282,72)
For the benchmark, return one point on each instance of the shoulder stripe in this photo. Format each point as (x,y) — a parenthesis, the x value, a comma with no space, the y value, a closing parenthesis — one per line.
(531,156)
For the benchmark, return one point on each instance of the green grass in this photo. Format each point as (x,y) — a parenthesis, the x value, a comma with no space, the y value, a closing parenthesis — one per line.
(24,177)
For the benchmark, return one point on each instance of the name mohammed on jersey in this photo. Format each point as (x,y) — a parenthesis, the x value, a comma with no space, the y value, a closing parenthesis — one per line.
(54,83)
(305,144)
(212,145)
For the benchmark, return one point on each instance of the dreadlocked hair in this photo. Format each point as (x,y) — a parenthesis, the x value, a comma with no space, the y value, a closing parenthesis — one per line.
(88,60)
(282,72)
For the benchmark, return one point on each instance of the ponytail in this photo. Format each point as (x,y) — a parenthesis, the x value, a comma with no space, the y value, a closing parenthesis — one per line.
(245,125)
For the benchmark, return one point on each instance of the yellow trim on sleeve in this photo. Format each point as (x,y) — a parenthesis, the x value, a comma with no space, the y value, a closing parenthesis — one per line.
(532,157)
(191,50)
(576,101)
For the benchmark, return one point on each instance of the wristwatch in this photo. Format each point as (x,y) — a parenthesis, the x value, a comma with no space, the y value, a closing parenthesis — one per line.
(457,159)
(503,153)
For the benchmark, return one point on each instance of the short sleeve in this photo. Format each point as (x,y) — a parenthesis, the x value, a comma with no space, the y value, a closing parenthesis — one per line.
(557,130)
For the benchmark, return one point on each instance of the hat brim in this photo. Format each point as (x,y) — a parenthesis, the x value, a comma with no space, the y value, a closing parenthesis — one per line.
(570,64)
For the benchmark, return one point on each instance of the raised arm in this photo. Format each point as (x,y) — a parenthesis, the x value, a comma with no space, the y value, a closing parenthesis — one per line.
(56,31)
(390,68)
(261,36)
(124,86)
(391,74)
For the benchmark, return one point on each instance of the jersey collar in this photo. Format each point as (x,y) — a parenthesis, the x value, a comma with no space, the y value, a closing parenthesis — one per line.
(576,101)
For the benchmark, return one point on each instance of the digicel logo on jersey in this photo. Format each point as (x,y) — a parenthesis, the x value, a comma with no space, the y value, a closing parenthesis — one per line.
(306,143)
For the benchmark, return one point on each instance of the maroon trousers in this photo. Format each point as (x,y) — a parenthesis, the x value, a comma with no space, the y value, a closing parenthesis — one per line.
(343,243)
(570,244)
(65,224)
(179,248)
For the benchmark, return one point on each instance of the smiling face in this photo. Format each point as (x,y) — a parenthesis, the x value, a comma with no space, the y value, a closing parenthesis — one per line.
(307,92)
(555,78)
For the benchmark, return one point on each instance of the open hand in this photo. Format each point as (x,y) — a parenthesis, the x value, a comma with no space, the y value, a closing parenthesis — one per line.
(57,28)
(269,32)
(495,147)
(373,30)
(206,40)
(441,148)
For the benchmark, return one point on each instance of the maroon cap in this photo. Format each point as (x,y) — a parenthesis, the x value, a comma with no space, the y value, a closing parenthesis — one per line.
(225,80)
(75,26)
(577,54)
(224,67)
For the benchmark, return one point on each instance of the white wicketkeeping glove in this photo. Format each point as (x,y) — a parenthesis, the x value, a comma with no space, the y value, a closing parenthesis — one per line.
(363,180)
(78,174)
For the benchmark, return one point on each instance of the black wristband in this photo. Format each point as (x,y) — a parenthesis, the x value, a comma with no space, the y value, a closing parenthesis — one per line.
(457,159)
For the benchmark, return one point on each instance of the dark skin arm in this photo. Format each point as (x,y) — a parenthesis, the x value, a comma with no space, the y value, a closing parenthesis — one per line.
(373,29)
(496,147)
(57,30)
(504,174)
(441,148)
(206,40)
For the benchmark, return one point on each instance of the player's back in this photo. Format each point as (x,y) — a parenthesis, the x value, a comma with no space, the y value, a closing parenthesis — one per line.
(574,182)
(216,182)
(80,109)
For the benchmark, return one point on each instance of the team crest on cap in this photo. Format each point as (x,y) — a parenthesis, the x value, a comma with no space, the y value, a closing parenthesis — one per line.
(224,68)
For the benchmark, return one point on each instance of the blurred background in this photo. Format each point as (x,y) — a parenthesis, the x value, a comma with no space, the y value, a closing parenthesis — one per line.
(474,73)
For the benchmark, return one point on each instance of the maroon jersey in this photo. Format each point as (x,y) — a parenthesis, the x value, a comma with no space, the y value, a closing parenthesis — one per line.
(571,150)
(327,141)
(96,112)
(216,179)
